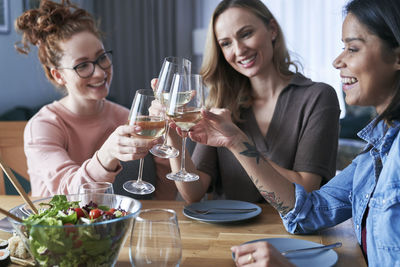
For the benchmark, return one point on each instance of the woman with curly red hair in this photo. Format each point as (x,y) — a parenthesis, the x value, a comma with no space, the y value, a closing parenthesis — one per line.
(82,137)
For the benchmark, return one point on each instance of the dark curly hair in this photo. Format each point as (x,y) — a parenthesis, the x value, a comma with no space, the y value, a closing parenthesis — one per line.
(47,26)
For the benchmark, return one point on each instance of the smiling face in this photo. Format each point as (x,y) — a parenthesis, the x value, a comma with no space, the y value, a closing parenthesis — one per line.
(81,47)
(367,68)
(245,41)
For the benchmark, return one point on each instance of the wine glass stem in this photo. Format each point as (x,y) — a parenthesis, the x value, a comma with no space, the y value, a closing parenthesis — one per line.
(183,153)
(139,179)
(166,133)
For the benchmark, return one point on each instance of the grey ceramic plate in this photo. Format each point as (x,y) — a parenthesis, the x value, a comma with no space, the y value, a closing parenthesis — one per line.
(320,258)
(222,217)
(5,225)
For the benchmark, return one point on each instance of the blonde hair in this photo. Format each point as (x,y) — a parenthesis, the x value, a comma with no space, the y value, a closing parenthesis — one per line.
(228,88)
(47,26)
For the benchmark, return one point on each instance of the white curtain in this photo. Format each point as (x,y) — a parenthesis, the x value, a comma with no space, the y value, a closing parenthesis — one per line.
(313,31)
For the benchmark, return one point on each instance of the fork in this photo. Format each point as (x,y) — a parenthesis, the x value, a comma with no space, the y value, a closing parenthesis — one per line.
(224,210)
(335,245)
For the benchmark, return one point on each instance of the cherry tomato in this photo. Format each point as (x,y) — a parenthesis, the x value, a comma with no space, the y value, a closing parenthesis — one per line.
(94,213)
(70,231)
(110,212)
(79,213)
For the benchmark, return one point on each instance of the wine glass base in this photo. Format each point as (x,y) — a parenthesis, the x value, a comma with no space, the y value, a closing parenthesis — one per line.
(138,188)
(183,176)
(163,151)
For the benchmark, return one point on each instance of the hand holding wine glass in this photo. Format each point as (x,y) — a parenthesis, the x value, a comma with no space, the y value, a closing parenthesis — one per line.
(152,126)
(185,104)
(216,129)
(171,66)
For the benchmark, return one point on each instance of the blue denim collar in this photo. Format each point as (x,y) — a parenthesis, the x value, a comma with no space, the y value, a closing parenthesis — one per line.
(380,136)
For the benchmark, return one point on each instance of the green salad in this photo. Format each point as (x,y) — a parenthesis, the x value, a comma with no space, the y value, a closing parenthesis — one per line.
(65,234)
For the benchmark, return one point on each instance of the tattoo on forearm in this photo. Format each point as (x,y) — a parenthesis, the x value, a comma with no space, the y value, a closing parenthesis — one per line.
(251,152)
(271,198)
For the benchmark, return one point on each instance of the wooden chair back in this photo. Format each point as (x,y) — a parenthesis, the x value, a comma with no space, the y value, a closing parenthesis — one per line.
(12,152)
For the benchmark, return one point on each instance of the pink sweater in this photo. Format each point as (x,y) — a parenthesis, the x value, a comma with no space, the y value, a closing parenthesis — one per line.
(61,147)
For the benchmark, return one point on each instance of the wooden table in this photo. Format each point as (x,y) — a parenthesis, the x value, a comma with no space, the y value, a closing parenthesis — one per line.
(206,244)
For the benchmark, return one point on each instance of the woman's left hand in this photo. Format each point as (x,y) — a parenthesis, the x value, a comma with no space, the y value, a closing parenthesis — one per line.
(259,254)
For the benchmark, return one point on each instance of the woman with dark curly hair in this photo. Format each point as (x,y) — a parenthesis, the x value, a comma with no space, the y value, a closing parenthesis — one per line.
(82,137)
(368,190)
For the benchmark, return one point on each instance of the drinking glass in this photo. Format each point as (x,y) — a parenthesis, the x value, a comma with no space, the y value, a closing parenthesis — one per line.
(152,127)
(96,187)
(155,239)
(171,66)
(185,104)
(93,191)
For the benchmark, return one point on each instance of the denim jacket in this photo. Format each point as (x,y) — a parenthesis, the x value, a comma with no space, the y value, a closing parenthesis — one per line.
(373,179)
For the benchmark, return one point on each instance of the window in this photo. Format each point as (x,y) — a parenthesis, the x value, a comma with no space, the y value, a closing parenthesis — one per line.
(4,16)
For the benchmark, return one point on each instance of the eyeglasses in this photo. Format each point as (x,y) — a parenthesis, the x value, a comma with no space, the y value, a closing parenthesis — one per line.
(86,69)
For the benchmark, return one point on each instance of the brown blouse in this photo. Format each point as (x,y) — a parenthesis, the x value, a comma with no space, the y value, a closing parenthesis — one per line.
(302,136)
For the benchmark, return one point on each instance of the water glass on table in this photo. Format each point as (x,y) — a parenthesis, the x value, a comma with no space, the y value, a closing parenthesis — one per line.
(96,187)
(155,239)
(89,192)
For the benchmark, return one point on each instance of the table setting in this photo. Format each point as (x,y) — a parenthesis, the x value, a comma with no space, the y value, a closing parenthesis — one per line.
(205,231)
(97,227)
(208,244)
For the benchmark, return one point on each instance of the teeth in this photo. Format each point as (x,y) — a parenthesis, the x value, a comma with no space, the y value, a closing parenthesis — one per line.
(247,60)
(349,80)
(98,84)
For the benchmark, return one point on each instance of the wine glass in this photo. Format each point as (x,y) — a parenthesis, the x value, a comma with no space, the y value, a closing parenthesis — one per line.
(171,65)
(185,104)
(96,187)
(155,239)
(152,127)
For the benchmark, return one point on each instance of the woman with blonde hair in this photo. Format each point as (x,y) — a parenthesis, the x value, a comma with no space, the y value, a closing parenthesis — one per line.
(291,121)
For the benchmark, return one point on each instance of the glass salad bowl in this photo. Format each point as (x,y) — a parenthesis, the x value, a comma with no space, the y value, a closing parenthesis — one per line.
(84,239)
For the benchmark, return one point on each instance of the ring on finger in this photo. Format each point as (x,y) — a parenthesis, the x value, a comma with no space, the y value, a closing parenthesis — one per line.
(250,258)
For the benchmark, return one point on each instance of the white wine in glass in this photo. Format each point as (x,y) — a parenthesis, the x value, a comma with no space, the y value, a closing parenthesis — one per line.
(152,127)
(171,66)
(185,104)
